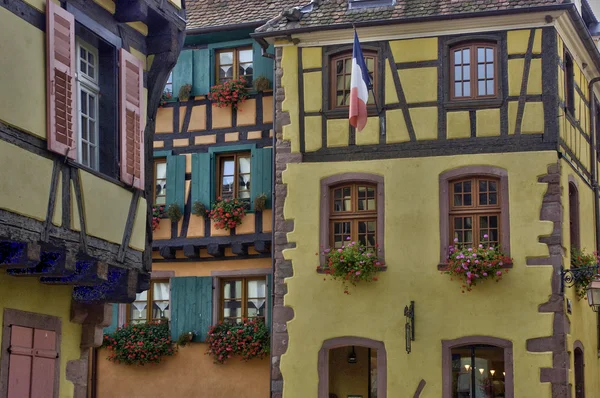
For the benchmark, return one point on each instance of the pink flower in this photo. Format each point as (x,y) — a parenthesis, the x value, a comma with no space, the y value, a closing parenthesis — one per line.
(485,274)
(357,272)
(498,273)
(485,236)
(470,249)
(340,250)
(455,240)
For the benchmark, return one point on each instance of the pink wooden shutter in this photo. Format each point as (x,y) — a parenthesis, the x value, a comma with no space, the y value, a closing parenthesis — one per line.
(33,357)
(132,126)
(60,55)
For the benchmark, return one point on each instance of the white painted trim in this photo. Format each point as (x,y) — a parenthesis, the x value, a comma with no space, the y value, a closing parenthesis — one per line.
(428,29)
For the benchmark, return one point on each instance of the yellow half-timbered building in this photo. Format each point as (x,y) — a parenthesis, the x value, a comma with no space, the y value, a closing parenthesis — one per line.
(482,127)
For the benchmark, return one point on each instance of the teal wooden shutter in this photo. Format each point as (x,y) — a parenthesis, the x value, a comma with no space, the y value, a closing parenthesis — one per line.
(176,180)
(263,66)
(261,172)
(115,320)
(202,178)
(201,72)
(191,306)
(269,309)
(183,71)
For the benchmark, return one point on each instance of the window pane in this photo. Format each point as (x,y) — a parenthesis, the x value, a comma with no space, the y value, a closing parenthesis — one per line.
(478,371)
(466,73)
(489,54)
(244,165)
(339,66)
(467,186)
(92,109)
(91,71)
(493,199)
(232,308)
(490,87)
(245,55)
(457,57)
(481,55)
(467,89)
(226,58)
(232,289)
(228,167)
(458,90)
(161,170)
(468,200)
(481,71)
(481,87)
(161,310)
(466,56)
(457,73)
(348,63)
(490,71)
(457,200)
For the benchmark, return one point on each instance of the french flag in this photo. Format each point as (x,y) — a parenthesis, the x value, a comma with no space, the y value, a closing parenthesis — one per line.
(359,87)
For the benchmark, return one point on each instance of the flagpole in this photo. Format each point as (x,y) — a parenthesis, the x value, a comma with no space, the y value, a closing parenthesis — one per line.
(381,120)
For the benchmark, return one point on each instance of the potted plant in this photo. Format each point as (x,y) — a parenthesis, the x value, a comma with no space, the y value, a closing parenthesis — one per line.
(186,337)
(231,93)
(581,259)
(139,344)
(184,92)
(227,213)
(198,209)
(164,98)
(158,212)
(260,202)
(174,212)
(475,265)
(261,83)
(248,339)
(351,263)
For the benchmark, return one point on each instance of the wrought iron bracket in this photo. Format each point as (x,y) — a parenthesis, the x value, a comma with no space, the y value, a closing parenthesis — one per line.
(568,277)
(409,327)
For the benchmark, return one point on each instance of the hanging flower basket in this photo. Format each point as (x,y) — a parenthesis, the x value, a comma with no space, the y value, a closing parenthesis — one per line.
(227,214)
(231,93)
(158,212)
(352,263)
(475,265)
(248,340)
(580,259)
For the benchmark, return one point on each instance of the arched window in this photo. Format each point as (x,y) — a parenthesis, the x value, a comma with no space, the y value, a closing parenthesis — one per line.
(477,366)
(574,214)
(352,206)
(473,205)
(579,367)
(473,71)
(341,71)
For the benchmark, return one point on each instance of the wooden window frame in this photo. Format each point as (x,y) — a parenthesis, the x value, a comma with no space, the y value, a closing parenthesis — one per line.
(569,64)
(333,77)
(12,317)
(235,155)
(158,161)
(325,206)
(473,65)
(236,62)
(244,297)
(149,301)
(92,89)
(475,210)
(444,189)
(354,216)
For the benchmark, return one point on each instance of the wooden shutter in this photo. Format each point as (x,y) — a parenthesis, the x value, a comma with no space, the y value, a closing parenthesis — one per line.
(60,81)
(114,323)
(261,169)
(202,178)
(183,72)
(32,362)
(191,301)
(176,180)
(131,105)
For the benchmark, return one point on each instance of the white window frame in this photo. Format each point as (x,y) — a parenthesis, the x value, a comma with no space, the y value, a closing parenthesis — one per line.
(90,86)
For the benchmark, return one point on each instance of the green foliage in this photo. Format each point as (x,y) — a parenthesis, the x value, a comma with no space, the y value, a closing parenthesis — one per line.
(249,339)
(184,92)
(260,202)
(174,212)
(581,259)
(262,83)
(199,209)
(186,338)
(139,344)
(351,263)
(158,212)
(227,213)
(474,265)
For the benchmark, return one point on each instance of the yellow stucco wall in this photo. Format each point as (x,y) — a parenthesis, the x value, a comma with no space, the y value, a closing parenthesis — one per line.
(583,319)
(189,373)
(22,74)
(28,194)
(27,294)
(412,255)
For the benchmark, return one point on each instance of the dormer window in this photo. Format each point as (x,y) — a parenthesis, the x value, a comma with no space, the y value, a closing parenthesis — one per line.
(357,4)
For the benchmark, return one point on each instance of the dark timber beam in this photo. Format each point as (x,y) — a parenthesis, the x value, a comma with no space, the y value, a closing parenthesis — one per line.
(53,262)
(216,250)
(131,11)
(240,249)
(262,246)
(120,287)
(88,272)
(167,252)
(15,254)
(191,251)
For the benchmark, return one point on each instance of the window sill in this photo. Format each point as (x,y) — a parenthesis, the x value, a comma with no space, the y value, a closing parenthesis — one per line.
(444,266)
(341,113)
(100,175)
(321,270)
(475,103)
